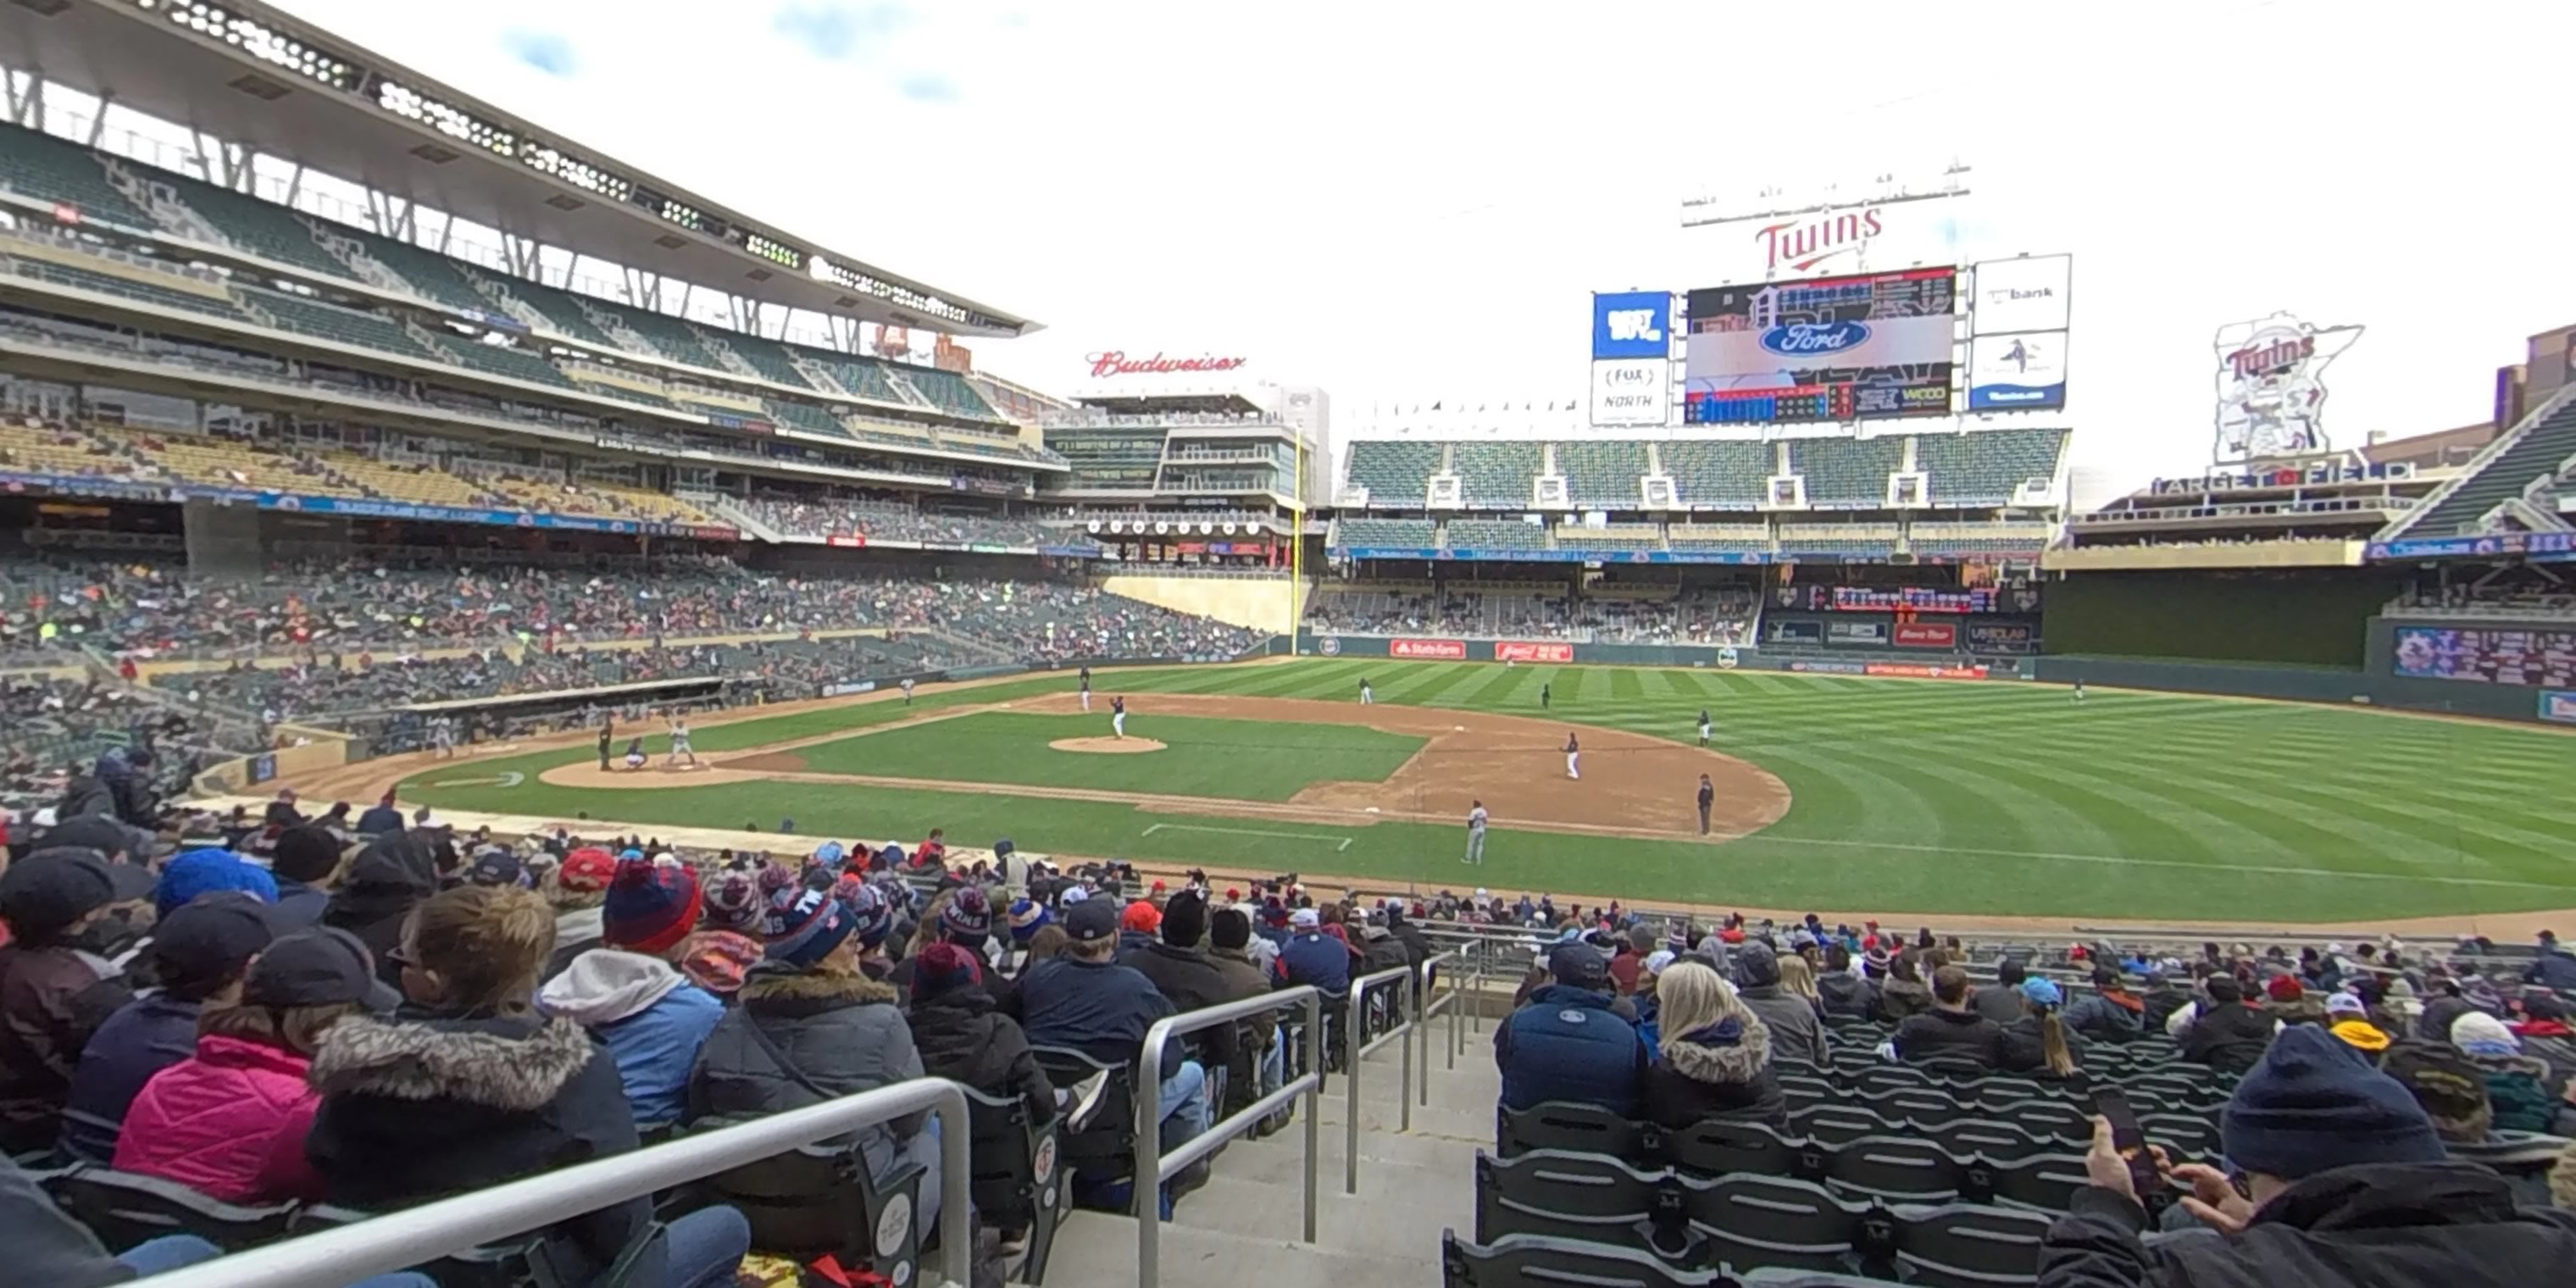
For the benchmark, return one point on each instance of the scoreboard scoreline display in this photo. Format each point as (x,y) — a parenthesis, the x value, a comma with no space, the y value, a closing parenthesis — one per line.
(1865,347)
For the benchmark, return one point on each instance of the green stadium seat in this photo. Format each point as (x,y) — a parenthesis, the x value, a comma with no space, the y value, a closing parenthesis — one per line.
(1983,467)
(38,165)
(1496,475)
(1846,471)
(1602,474)
(1724,473)
(1395,471)
(263,228)
(2541,445)
(329,322)
(1495,534)
(1407,534)
(142,292)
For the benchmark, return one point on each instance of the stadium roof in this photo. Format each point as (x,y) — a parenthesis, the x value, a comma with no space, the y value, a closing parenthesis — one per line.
(250,74)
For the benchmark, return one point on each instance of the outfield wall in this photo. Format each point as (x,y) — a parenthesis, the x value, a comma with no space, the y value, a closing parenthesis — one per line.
(2278,618)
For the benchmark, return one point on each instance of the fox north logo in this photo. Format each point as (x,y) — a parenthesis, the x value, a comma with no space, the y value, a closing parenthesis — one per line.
(1632,324)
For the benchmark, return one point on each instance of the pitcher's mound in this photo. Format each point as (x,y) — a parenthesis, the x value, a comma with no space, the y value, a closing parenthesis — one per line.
(1109,746)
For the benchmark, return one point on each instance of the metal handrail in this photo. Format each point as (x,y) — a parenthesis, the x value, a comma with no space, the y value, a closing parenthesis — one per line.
(1153,1166)
(1425,1006)
(1357,1004)
(417,1236)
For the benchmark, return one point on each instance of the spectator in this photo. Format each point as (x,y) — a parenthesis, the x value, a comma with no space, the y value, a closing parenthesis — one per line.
(1186,977)
(963,1036)
(1230,947)
(53,996)
(382,817)
(1796,1033)
(1312,957)
(2287,1000)
(1084,1000)
(2554,968)
(303,860)
(2515,1082)
(1846,995)
(576,891)
(1629,958)
(206,871)
(1950,1030)
(2038,1042)
(2348,1017)
(469,1087)
(230,1120)
(1715,1057)
(2163,997)
(2349,1185)
(2110,1013)
(2001,1001)
(653,1021)
(199,954)
(963,917)
(2228,1034)
(1568,1044)
(1904,994)
(390,878)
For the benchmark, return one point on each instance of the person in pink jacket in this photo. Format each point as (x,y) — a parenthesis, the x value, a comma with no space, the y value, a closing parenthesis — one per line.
(229,1122)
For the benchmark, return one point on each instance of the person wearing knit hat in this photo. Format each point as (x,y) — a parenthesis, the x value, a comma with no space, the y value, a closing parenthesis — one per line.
(1181,970)
(199,872)
(968,919)
(2350,1185)
(649,909)
(1028,917)
(302,860)
(2348,1017)
(735,900)
(2517,1085)
(2290,1002)
(964,1037)
(629,994)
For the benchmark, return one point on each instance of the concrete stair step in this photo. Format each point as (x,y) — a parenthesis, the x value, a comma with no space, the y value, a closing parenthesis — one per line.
(1406,1168)
(1095,1250)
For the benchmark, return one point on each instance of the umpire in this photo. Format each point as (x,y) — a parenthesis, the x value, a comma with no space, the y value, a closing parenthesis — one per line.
(1707,798)
(606,726)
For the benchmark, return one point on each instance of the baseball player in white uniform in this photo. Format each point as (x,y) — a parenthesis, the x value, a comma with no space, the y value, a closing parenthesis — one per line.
(1573,757)
(1368,696)
(1118,717)
(679,744)
(1476,833)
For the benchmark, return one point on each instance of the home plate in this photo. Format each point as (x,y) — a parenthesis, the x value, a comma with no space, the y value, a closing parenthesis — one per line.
(1372,809)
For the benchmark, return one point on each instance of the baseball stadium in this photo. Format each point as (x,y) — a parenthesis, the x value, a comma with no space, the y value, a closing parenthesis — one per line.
(582,602)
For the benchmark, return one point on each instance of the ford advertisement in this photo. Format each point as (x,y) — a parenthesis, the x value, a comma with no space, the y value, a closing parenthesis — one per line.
(1824,349)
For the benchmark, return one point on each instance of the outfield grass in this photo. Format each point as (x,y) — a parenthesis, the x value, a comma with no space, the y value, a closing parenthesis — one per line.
(1231,759)
(1952,798)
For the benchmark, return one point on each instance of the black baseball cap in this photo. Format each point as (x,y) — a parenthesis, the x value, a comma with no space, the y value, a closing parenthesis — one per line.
(54,887)
(1091,921)
(323,966)
(497,867)
(211,937)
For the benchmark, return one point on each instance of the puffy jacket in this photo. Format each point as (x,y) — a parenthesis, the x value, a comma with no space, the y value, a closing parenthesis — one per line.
(1845,996)
(1101,1009)
(1190,980)
(1950,1035)
(1998,1002)
(436,1103)
(145,1036)
(2024,1048)
(129,788)
(843,1032)
(2111,1017)
(2158,1004)
(1797,1033)
(1316,958)
(51,1001)
(2517,1090)
(1721,1072)
(2230,1038)
(2393,1226)
(963,1036)
(653,1020)
(1567,1044)
(228,1122)
(2556,969)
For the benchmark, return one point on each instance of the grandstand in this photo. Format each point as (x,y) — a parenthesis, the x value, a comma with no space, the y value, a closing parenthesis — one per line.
(1495,475)
(2522,470)
(1846,473)
(1395,472)
(1601,474)
(1718,475)
(1988,467)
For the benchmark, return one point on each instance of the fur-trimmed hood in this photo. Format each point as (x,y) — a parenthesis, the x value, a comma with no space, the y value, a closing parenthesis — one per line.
(775,989)
(1739,1061)
(518,1065)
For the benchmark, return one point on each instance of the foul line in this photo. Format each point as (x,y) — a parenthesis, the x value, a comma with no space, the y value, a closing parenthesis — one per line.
(1246,831)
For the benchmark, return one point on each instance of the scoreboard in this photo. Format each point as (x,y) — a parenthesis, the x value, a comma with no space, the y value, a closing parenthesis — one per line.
(2494,656)
(1835,348)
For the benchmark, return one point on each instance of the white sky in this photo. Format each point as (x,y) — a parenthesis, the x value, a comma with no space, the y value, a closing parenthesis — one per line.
(1403,200)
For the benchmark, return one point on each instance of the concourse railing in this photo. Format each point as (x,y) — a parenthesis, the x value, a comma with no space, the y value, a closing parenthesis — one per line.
(1154,1167)
(1401,1031)
(417,1236)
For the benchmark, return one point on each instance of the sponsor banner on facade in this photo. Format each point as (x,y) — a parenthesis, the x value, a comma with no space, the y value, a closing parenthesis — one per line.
(1832,668)
(2027,294)
(1914,671)
(1788,632)
(1632,324)
(852,542)
(1927,635)
(1631,391)
(2558,706)
(2017,372)
(1728,658)
(1856,632)
(2526,544)
(1532,651)
(2001,637)
(1434,650)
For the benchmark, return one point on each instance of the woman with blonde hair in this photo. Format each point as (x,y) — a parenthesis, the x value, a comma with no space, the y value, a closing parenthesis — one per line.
(1798,979)
(1715,1056)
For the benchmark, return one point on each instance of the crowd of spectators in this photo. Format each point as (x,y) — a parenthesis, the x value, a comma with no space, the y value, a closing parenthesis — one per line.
(889,521)
(1722,615)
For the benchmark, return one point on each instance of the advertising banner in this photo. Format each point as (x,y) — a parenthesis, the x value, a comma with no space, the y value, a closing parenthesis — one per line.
(1914,671)
(2541,547)
(2026,294)
(1842,239)
(2543,658)
(1532,651)
(1832,668)
(1632,324)
(1927,635)
(1435,650)
(1829,348)
(1856,632)
(1797,632)
(2017,372)
(2558,706)
(2001,637)
(1631,391)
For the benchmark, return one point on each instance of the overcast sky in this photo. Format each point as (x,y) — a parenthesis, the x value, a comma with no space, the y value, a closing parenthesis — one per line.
(1403,200)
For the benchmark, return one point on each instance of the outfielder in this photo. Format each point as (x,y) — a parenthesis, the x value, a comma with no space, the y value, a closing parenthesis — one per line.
(2079,690)
(1118,717)
(1705,728)
(907,690)
(1542,696)
(1573,757)
(1368,696)
(1086,690)
(679,744)
(1476,833)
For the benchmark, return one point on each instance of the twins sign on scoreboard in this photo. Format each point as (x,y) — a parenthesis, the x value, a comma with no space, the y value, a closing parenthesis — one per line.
(1824,348)
(1632,344)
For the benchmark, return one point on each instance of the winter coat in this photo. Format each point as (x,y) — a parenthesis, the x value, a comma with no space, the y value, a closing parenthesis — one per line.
(2158,1005)
(1721,1072)
(1188,979)
(228,1122)
(1101,1009)
(2230,1038)
(1950,1035)
(843,1032)
(1796,1033)
(435,1103)
(1567,1044)
(1312,957)
(1246,979)
(145,1036)
(389,878)
(51,1001)
(380,819)
(1998,1002)
(2392,1226)
(2109,1017)
(652,1019)
(2024,1048)
(1900,998)
(2308,1010)
(2517,1091)
(963,1036)
(86,794)
(2555,969)
(46,1246)
(298,907)
(1846,997)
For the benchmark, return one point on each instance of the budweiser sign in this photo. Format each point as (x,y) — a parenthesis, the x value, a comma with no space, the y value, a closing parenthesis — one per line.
(1801,244)
(1115,362)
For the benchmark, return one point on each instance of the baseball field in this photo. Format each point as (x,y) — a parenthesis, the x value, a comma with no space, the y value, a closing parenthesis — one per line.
(1944,798)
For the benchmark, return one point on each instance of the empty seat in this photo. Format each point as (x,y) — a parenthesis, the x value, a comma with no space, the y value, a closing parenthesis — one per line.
(1895,1169)
(1396,472)
(1565,1195)
(1496,475)
(1018,1183)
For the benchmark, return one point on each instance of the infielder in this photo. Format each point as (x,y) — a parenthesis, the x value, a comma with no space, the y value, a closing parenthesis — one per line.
(907,690)
(1705,728)
(1476,833)
(1542,697)
(1707,798)
(679,744)
(1368,696)
(1117,717)
(1573,757)
(442,735)
(1086,690)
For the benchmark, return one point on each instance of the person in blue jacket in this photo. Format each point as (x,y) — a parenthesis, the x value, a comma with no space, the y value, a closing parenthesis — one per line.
(653,1020)
(1568,1044)
(1312,957)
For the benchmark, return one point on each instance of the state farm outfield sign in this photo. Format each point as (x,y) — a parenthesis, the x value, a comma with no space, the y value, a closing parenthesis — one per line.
(1434,650)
